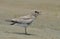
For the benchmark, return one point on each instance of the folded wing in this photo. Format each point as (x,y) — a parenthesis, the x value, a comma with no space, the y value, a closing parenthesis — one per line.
(24,19)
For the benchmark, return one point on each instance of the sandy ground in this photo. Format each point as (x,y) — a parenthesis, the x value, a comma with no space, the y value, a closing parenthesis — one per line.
(46,26)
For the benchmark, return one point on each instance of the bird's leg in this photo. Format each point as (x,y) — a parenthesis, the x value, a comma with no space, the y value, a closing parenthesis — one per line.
(25,30)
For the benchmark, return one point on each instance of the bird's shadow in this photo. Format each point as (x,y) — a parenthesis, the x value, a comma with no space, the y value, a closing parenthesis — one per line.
(21,33)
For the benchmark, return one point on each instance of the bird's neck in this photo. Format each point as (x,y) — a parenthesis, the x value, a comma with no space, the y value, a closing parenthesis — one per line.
(34,15)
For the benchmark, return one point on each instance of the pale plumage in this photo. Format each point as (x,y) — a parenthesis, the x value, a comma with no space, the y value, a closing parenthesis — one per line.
(25,20)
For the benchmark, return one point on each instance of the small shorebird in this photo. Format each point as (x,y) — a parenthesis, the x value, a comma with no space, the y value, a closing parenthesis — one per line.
(25,20)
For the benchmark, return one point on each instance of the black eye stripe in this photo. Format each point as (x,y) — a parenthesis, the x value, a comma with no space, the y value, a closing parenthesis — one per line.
(37,12)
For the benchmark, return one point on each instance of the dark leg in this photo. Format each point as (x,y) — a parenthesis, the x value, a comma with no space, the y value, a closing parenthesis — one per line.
(25,30)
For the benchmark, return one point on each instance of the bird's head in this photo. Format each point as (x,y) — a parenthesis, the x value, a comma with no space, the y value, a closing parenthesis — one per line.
(36,13)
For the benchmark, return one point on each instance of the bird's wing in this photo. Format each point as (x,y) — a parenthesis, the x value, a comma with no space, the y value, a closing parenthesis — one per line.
(23,19)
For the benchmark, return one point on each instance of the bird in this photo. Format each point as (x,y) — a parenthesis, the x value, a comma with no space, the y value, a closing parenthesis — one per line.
(25,21)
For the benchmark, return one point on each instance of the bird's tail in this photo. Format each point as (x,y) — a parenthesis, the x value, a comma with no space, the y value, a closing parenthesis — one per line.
(13,22)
